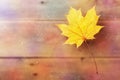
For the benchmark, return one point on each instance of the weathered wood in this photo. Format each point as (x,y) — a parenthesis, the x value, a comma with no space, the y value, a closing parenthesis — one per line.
(43,38)
(54,9)
(31,47)
(59,69)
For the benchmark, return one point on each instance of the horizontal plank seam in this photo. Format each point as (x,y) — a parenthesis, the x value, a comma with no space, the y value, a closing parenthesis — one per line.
(34,57)
(12,21)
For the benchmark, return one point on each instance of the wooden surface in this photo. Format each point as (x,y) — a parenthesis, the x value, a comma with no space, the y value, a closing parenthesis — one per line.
(58,69)
(31,45)
(54,9)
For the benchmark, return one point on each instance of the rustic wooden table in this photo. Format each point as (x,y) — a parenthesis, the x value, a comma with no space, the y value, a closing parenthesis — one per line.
(31,47)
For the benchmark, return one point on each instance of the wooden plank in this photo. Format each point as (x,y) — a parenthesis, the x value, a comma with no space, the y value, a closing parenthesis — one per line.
(59,69)
(54,9)
(44,39)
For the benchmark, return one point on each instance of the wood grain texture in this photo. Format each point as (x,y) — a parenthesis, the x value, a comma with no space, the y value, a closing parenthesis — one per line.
(58,69)
(43,38)
(31,45)
(54,9)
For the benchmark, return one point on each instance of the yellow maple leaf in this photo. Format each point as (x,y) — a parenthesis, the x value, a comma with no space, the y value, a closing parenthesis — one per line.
(80,28)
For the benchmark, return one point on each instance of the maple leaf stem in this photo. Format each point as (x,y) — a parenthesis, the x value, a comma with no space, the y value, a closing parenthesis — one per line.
(94,60)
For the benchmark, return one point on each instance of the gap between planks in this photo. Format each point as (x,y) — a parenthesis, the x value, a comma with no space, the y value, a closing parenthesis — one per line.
(49,20)
(34,20)
(37,57)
